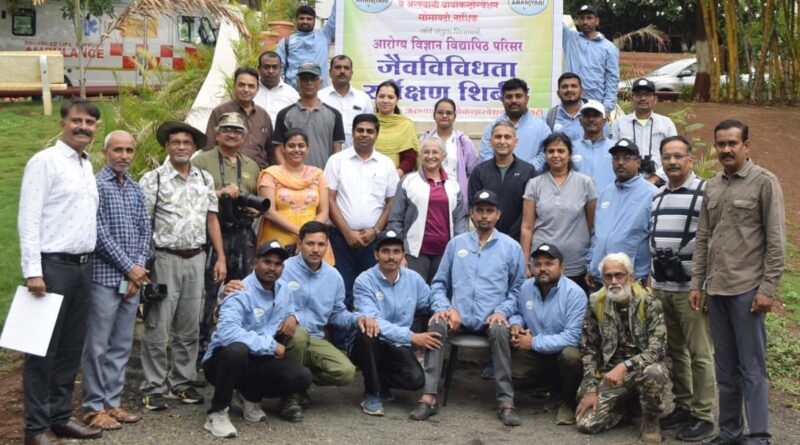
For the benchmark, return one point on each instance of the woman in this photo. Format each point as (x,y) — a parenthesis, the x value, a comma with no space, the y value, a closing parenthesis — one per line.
(460,158)
(298,193)
(428,211)
(558,209)
(398,136)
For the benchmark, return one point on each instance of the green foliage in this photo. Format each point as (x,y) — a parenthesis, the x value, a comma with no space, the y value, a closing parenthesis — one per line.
(283,10)
(97,8)
(783,355)
(705,161)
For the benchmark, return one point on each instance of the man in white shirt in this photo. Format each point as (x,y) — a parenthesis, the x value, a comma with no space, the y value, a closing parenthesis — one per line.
(273,93)
(343,97)
(58,231)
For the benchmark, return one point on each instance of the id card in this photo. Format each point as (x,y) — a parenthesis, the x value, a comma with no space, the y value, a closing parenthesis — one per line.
(123,287)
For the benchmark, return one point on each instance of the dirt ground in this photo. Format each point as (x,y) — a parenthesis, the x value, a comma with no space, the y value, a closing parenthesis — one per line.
(636,64)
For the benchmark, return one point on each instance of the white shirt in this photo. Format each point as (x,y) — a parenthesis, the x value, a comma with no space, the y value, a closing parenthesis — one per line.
(350,105)
(276,99)
(451,161)
(57,206)
(362,186)
(647,137)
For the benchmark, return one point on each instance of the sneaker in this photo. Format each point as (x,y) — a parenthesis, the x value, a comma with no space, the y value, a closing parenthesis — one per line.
(372,405)
(290,409)
(565,415)
(188,395)
(676,418)
(651,430)
(154,401)
(251,411)
(696,430)
(219,425)
(304,400)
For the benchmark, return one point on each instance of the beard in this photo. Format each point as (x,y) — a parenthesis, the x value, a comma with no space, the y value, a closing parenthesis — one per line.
(619,294)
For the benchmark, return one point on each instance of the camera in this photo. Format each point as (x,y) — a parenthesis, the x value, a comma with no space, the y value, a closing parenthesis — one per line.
(668,267)
(154,293)
(231,210)
(648,166)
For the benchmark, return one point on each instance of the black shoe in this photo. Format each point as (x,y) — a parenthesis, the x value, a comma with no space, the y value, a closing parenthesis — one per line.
(188,395)
(696,430)
(290,409)
(508,416)
(675,419)
(423,411)
(720,441)
(304,400)
(154,401)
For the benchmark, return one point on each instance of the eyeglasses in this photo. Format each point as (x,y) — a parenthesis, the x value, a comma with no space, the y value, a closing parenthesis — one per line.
(231,130)
(619,276)
(678,157)
(445,113)
(647,94)
(625,157)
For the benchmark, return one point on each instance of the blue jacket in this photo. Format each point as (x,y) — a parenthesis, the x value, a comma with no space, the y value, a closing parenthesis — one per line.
(481,281)
(308,47)
(596,61)
(594,160)
(622,224)
(392,305)
(556,321)
(252,317)
(317,297)
(531,131)
(571,126)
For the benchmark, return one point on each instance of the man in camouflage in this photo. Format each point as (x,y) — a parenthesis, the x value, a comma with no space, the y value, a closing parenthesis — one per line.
(623,346)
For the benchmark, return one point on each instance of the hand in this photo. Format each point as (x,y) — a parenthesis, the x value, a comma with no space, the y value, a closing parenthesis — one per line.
(761,303)
(453,319)
(616,375)
(589,279)
(528,271)
(367,235)
(368,326)
(138,275)
(233,286)
(427,340)
(220,270)
(251,212)
(353,238)
(439,316)
(288,326)
(132,289)
(523,340)
(498,318)
(588,401)
(694,299)
(36,286)
(280,350)
(400,173)
(515,329)
(231,190)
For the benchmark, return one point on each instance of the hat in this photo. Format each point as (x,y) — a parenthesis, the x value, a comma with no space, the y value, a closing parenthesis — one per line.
(643,84)
(594,105)
(310,68)
(272,246)
(625,145)
(587,9)
(170,127)
(548,249)
(485,195)
(231,119)
(306,10)
(388,237)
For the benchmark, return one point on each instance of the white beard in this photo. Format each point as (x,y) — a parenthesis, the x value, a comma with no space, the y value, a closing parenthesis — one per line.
(619,294)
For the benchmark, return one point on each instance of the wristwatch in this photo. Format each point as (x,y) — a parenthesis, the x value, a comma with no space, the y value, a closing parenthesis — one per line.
(629,364)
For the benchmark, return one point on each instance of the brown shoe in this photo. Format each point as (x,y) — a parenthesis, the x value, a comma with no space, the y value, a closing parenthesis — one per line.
(76,430)
(45,438)
(124,416)
(651,431)
(101,419)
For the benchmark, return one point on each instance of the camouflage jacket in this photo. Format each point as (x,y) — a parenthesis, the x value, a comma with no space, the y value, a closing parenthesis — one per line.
(600,336)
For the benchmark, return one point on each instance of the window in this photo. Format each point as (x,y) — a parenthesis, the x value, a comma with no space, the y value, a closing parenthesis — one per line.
(196,31)
(23,22)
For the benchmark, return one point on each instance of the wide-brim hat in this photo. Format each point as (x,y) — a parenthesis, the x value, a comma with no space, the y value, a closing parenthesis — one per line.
(170,127)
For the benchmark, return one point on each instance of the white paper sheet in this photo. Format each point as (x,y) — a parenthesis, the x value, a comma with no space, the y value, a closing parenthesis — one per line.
(30,322)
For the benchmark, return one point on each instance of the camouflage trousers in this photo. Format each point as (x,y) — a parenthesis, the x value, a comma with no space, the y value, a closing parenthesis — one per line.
(650,385)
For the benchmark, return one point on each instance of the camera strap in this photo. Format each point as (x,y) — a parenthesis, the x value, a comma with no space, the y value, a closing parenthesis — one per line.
(650,145)
(685,238)
(222,170)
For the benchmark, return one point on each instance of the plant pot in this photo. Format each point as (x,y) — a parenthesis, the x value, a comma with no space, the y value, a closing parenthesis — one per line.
(284,29)
(269,40)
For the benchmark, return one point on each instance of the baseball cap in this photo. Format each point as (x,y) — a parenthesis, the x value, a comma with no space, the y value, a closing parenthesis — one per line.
(232,119)
(594,105)
(272,246)
(388,237)
(550,250)
(310,68)
(485,195)
(625,145)
(643,84)
(587,9)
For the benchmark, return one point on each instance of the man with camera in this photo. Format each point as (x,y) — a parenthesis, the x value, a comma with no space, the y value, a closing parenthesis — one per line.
(646,129)
(675,213)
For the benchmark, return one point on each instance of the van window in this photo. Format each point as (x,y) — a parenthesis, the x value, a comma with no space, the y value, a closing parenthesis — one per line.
(196,31)
(23,22)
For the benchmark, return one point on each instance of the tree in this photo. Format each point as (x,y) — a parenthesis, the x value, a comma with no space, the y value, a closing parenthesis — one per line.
(78,12)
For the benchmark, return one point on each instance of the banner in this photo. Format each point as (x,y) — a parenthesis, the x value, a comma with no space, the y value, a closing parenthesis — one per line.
(461,49)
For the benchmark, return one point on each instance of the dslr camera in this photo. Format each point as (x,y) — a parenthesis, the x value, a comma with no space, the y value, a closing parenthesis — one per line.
(231,210)
(648,166)
(668,267)
(153,293)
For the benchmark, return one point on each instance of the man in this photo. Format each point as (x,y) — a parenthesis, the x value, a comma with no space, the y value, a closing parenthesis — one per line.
(123,247)
(246,351)
(483,271)
(257,144)
(546,330)
(57,232)
(342,96)
(321,122)
(506,175)
(622,218)
(390,294)
(531,131)
(307,44)
(740,270)
(592,57)
(273,93)
(566,116)
(590,151)
(235,175)
(675,212)
(646,128)
(623,343)
(183,208)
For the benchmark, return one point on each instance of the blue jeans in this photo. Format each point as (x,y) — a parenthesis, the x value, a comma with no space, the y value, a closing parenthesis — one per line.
(350,263)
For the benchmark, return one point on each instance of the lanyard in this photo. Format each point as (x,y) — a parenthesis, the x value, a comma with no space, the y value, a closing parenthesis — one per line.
(650,146)
(222,170)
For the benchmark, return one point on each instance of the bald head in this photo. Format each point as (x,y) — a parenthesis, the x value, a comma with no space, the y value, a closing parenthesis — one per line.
(119,150)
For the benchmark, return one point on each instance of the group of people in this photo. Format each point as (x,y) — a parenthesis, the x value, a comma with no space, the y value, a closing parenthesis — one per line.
(594,260)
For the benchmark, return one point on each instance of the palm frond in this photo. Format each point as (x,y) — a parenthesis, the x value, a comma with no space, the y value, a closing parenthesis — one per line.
(648,33)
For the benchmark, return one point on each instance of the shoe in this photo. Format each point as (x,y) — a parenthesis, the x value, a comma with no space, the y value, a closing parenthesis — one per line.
(565,415)
(290,408)
(423,411)
(198,383)
(45,438)
(124,416)
(696,430)
(188,395)
(678,417)
(488,371)
(508,415)
(251,411)
(651,430)
(101,419)
(219,424)
(372,405)
(154,401)
(720,441)
(387,395)
(304,400)
(76,430)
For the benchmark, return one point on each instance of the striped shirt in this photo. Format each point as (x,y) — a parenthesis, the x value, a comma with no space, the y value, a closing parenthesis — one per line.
(668,220)
(648,137)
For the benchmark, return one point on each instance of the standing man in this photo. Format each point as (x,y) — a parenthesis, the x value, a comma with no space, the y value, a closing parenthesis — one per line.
(738,260)
(592,57)
(123,247)
(566,116)
(183,207)
(646,128)
(622,218)
(321,122)
(273,93)
(307,44)
(342,96)
(530,130)
(675,212)
(504,174)
(591,156)
(57,226)
(258,137)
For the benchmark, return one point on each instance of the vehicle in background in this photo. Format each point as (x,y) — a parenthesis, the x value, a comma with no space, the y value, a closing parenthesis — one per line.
(670,77)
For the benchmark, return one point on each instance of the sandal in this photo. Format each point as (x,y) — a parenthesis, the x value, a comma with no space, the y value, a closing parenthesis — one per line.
(124,416)
(101,419)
